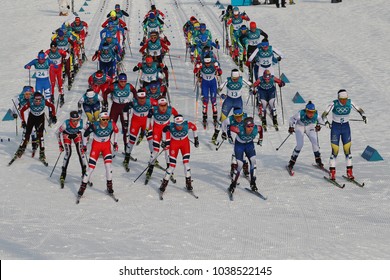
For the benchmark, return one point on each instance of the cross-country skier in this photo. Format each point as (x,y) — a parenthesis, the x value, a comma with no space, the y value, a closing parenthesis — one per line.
(306,121)
(101,131)
(68,131)
(340,129)
(91,103)
(175,136)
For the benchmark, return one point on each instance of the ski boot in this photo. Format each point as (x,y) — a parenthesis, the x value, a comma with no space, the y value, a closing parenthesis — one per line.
(349,173)
(188,184)
(109,187)
(246,169)
(264,123)
(215,136)
(319,162)
(149,173)
(42,156)
(163,186)
(63,174)
(141,136)
(82,188)
(52,99)
(126,162)
(20,151)
(232,186)
(290,165)
(215,120)
(332,173)
(233,167)
(62,100)
(204,121)
(275,122)
(253,184)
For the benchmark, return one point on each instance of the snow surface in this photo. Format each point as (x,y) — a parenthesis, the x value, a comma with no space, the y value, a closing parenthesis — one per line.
(327,47)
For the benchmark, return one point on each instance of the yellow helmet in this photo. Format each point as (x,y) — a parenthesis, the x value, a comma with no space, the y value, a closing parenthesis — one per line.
(113,14)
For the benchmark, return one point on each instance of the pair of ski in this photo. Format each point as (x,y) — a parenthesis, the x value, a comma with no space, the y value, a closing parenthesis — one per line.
(126,165)
(257,193)
(106,192)
(157,165)
(16,157)
(62,183)
(191,192)
(334,182)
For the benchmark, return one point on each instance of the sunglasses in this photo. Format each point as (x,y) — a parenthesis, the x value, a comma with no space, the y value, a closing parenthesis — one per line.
(250,125)
(104,120)
(153,37)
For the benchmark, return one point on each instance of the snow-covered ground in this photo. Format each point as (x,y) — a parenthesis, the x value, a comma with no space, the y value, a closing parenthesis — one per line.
(327,47)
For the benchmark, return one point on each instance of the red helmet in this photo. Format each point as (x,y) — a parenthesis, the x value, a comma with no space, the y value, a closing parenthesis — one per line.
(252,25)
(149,59)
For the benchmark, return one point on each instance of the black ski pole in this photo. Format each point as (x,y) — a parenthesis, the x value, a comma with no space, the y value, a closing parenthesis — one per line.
(283,142)
(54,167)
(151,163)
(281,96)
(217,148)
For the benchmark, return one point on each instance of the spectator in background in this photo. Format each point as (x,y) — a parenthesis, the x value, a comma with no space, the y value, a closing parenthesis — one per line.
(278,2)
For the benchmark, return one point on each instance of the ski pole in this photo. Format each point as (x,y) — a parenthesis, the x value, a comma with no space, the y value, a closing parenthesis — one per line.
(173,72)
(283,142)
(29,77)
(54,167)
(356,120)
(151,163)
(217,148)
(281,96)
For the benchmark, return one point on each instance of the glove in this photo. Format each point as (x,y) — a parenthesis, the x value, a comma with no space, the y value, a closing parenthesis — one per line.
(318,127)
(279,58)
(223,96)
(255,84)
(135,69)
(217,42)
(68,7)
(61,147)
(80,112)
(282,84)
(196,142)
(15,116)
(27,67)
(54,119)
(224,136)
(125,28)
(163,144)
(327,124)
(84,149)
(248,63)
(291,130)
(260,142)
(364,119)
(116,148)
(24,124)
(104,105)
(199,65)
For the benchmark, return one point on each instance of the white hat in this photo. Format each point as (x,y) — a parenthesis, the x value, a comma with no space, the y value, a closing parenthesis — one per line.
(235,73)
(141,94)
(90,93)
(179,119)
(342,94)
(162,101)
(104,115)
(207,60)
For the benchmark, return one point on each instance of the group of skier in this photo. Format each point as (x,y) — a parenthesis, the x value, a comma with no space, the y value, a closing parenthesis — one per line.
(145,109)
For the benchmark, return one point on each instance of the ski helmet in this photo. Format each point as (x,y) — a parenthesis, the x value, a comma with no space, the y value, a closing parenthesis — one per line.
(122,77)
(264,43)
(104,115)
(196,25)
(108,35)
(235,74)
(154,85)
(248,122)
(207,59)
(141,93)
(90,93)
(193,18)
(60,33)
(267,74)
(342,94)
(202,26)
(162,101)
(179,119)
(310,106)
(149,59)
(152,16)
(112,14)
(252,25)
(243,27)
(27,89)
(41,55)
(74,115)
(238,112)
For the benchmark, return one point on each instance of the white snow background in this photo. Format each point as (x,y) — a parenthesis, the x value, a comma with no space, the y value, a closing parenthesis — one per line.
(327,47)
